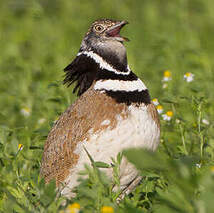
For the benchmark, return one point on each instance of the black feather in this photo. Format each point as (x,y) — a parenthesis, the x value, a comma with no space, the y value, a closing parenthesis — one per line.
(81,70)
(130,97)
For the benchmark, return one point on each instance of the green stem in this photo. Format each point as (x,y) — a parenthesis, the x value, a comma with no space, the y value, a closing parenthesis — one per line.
(183,139)
(199,131)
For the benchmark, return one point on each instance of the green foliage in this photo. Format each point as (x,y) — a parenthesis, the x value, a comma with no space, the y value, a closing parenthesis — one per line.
(180,181)
(38,38)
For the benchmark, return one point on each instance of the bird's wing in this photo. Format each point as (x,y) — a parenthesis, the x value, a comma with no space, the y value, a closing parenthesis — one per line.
(72,128)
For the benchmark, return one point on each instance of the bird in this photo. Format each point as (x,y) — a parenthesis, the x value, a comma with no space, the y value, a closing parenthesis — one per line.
(113,112)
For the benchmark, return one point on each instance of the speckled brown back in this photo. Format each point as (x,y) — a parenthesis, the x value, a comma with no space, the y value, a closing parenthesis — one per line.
(73,126)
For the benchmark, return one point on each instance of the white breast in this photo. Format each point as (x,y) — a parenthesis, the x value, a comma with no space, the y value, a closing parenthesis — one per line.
(137,130)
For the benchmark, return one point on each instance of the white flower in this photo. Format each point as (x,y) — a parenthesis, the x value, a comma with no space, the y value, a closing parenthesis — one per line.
(177,121)
(165,86)
(205,121)
(159,109)
(189,77)
(25,111)
(155,101)
(167,116)
(198,165)
(41,120)
(167,76)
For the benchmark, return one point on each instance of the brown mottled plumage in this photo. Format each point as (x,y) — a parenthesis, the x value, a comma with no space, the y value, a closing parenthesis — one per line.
(72,127)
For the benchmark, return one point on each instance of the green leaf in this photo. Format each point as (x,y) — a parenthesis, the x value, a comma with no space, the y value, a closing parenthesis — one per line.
(91,159)
(100,164)
(145,159)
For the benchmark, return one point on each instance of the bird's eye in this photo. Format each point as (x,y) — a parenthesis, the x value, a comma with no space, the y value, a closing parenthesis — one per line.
(99,28)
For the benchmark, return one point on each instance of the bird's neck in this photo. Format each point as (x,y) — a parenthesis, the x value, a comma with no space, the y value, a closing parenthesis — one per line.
(119,82)
(112,52)
(103,66)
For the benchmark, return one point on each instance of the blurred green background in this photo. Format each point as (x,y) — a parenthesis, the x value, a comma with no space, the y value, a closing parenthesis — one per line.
(38,38)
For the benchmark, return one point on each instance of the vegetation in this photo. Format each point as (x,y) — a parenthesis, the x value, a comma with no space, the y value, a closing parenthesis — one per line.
(38,38)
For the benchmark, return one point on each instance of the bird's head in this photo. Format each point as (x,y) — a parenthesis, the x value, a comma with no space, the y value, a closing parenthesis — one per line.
(106,29)
(103,31)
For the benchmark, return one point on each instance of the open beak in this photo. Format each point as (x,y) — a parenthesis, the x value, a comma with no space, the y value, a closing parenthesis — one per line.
(115,31)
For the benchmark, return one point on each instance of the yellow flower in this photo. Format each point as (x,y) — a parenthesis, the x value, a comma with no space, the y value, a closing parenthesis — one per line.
(212,169)
(169,113)
(155,101)
(20,147)
(188,74)
(107,209)
(159,109)
(167,75)
(167,116)
(73,208)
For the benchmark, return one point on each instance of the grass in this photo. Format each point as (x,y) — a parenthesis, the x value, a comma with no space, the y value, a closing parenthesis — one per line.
(39,38)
